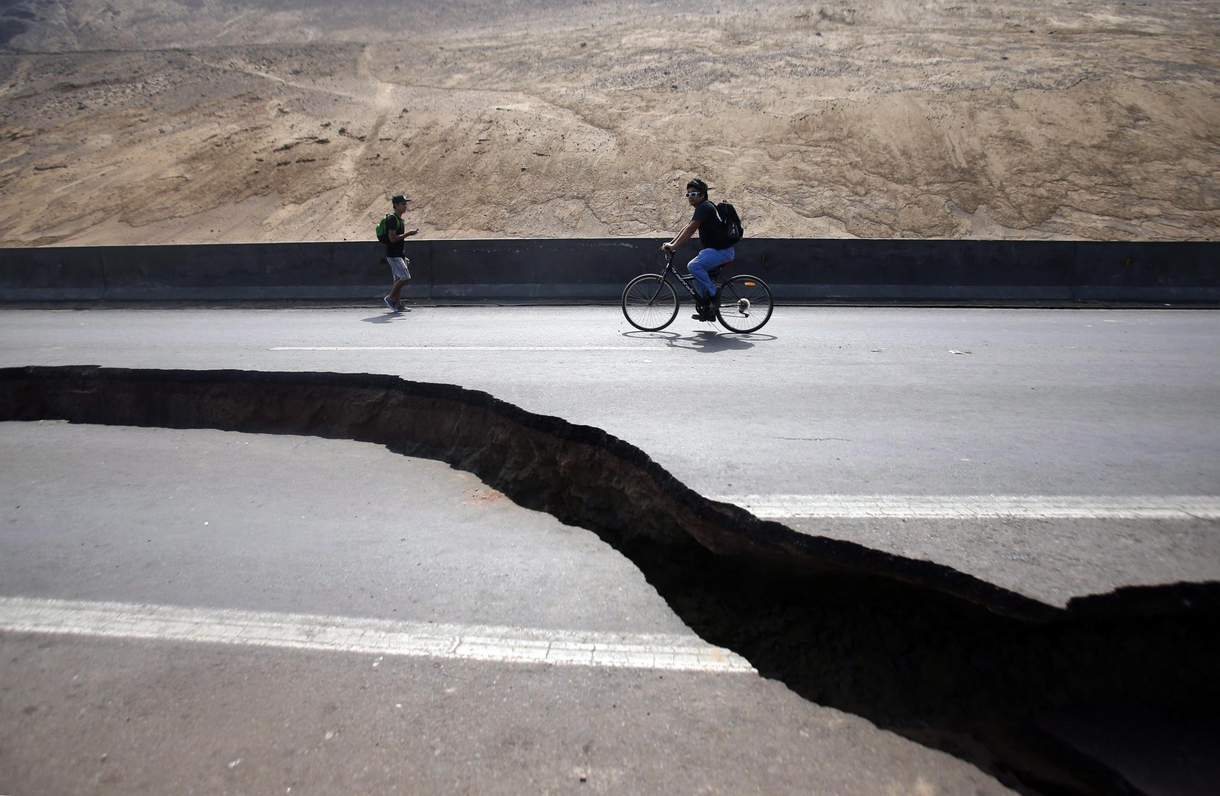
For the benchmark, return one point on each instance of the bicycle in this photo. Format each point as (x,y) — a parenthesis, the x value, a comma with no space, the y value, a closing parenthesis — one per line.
(742,303)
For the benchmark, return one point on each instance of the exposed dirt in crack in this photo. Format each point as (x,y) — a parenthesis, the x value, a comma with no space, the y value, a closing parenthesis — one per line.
(917,648)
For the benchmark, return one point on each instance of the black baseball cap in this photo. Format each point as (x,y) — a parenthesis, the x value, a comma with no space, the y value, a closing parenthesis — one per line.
(398,198)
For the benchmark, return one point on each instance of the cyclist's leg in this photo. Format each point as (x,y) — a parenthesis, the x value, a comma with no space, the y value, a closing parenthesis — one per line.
(723,256)
(704,261)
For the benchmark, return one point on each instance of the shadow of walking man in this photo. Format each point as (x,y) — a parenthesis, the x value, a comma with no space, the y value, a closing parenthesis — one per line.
(387,317)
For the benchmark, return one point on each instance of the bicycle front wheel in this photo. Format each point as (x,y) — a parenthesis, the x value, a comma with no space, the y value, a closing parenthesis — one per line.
(649,303)
(745,304)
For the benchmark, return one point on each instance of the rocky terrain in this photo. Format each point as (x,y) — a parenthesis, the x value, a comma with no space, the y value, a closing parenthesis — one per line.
(153,121)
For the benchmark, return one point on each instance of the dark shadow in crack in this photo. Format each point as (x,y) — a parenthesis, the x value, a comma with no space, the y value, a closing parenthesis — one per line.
(918,648)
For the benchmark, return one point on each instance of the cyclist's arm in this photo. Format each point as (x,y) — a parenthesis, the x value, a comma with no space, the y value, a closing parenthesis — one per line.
(686,234)
(395,237)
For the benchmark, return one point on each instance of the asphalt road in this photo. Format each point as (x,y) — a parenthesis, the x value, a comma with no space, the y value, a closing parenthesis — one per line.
(152,547)
(852,422)
(1093,406)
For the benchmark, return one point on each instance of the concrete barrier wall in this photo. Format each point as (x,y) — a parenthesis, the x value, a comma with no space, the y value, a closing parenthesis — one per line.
(597,270)
(52,273)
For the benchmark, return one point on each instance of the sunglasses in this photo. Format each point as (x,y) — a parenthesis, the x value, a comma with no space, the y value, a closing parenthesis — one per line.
(692,194)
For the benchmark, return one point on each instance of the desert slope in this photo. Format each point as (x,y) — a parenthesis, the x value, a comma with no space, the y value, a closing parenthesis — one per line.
(147,122)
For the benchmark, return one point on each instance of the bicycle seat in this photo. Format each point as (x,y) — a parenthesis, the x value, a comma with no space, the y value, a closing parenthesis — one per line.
(716,270)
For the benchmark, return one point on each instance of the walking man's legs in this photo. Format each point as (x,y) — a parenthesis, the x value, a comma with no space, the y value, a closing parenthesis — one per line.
(401,275)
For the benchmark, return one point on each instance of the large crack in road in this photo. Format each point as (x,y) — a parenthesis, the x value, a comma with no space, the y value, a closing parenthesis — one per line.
(916,647)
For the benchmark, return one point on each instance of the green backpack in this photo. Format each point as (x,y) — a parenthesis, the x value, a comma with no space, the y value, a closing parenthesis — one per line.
(383,233)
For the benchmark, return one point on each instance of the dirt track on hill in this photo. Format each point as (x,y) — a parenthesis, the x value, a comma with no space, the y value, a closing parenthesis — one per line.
(152,122)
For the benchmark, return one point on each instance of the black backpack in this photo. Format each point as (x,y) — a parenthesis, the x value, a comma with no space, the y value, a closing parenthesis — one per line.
(734,230)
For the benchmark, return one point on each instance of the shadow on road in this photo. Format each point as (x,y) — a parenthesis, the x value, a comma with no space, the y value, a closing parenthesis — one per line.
(387,317)
(705,341)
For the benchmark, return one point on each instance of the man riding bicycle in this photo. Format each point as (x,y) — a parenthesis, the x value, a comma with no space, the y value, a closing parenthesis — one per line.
(716,248)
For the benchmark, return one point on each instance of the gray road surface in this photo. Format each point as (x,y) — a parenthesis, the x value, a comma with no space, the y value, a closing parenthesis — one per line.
(825,402)
(210,520)
(827,406)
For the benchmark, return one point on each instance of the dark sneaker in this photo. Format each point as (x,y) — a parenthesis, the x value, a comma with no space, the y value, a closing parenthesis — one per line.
(393,307)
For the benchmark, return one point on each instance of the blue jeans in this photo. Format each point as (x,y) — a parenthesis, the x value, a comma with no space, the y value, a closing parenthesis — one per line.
(705,261)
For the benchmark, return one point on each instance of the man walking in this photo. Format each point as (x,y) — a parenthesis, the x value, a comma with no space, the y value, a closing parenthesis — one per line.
(396,233)
(717,249)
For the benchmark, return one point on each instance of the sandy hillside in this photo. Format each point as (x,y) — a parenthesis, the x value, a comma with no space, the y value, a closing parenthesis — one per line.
(148,121)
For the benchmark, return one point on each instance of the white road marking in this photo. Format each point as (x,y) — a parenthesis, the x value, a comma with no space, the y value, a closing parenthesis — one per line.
(367,636)
(964,507)
(461,348)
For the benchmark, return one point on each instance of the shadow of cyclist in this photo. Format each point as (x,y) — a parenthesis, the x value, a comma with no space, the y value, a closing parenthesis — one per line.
(708,342)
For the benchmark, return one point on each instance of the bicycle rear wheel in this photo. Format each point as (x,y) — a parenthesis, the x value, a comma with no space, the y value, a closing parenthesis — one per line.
(745,304)
(649,303)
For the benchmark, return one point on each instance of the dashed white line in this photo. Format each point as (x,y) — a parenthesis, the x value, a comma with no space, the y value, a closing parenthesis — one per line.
(367,636)
(1034,507)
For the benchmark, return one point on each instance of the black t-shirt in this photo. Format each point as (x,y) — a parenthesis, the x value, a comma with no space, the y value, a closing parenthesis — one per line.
(711,230)
(395,223)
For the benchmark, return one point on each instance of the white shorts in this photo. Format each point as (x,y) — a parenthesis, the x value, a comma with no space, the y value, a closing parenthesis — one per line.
(399,266)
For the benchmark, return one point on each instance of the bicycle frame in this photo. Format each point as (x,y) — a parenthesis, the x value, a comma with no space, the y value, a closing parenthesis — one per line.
(686,281)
